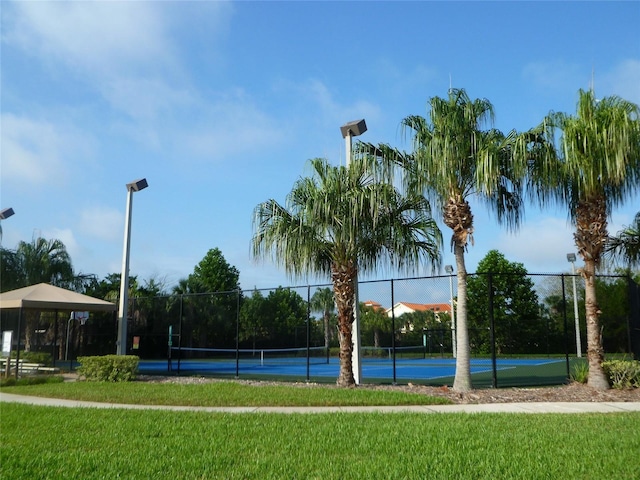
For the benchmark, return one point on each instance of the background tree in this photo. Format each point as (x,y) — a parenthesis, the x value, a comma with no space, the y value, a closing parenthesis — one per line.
(376,325)
(323,301)
(516,310)
(214,323)
(436,327)
(453,160)
(287,318)
(624,247)
(40,261)
(254,313)
(278,320)
(595,168)
(10,277)
(340,221)
(45,261)
(554,309)
(613,294)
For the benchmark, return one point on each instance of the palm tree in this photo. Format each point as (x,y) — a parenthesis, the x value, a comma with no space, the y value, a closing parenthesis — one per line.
(323,301)
(596,168)
(42,261)
(340,221)
(452,161)
(625,245)
(10,278)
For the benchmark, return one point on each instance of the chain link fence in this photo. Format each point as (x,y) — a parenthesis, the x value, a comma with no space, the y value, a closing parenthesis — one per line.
(510,318)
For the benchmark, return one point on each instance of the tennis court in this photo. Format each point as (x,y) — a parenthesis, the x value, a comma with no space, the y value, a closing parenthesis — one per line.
(294,364)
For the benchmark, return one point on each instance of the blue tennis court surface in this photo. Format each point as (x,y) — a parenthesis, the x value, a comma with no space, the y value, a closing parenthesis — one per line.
(376,368)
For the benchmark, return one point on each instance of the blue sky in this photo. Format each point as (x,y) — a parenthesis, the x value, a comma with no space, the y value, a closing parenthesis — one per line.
(220,105)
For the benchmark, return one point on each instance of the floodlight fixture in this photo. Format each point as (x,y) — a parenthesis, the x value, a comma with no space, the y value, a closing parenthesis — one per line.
(353,129)
(6,213)
(137,185)
(448,269)
(571,257)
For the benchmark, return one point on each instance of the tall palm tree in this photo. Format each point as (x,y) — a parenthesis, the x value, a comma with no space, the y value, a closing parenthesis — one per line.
(323,301)
(454,160)
(596,168)
(625,245)
(340,221)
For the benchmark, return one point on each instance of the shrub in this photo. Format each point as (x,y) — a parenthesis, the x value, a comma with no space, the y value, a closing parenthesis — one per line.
(34,357)
(622,373)
(580,372)
(109,368)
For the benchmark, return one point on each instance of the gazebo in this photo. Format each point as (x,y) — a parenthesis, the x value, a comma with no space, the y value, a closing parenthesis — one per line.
(49,298)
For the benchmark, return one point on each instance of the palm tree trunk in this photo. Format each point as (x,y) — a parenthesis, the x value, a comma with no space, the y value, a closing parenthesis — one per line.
(462,381)
(32,322)
(327,333)
(590,237)
(343,278)
(595,352)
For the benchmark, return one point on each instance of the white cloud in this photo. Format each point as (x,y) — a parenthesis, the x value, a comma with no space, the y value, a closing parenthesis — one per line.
(551,75)
(541,245)
(32,150)
(230,126)
(146,98)
(96,37)
(103,223)
(623,80)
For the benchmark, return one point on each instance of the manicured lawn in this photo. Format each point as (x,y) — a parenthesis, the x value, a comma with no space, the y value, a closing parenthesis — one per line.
(64,443)
(221,394)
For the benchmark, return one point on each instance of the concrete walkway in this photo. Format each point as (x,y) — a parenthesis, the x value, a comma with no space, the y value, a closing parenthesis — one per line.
(530,407)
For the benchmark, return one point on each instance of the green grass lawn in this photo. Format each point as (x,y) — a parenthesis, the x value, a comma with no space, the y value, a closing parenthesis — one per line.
(222,394)
(65,443)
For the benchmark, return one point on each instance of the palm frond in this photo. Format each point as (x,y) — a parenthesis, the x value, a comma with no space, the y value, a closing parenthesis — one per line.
(624,247)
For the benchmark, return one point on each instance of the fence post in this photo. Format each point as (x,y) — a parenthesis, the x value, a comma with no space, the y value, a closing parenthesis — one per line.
(238,333)
(492,333)
(308,328)
(566,327)
(393,332)
(180,323)
(18,344)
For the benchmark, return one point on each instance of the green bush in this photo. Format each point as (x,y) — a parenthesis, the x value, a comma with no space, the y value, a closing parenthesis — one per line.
(622,373)
(109,368)
(34,357)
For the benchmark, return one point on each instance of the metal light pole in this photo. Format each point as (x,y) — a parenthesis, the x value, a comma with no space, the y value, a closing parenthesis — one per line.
(350,130)
(121,344)
(4,214)
(571,257)
(454,348)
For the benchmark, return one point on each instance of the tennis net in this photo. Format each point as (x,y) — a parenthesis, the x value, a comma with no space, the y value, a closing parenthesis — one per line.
(386,353)
(253,356)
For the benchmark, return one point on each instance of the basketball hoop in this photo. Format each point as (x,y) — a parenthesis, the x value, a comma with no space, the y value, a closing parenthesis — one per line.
(82,316)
